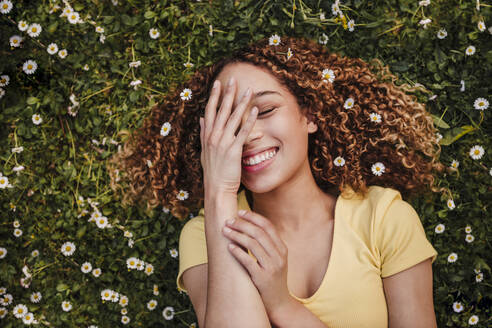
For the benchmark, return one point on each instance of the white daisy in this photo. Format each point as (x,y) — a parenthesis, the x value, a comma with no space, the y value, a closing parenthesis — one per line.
(473,320)
(328,75)
(323,39)
(140,265)
(4,80)
(74,17)
(479,277)
(28,318)
(135,64)
(66,306)
(349,103)
(186,94)
(468,229)
(165,128)
(86,67)
(17,232)
(2,93)
(63,53)
(86,267)
(470,50)
(289,54)
(149,269)
(476,152)
(102,222)
(274,40)
(490,172)
(155,290)
(3,290)
(425,22)
(106,294)
(34,30)
(322,15)
(210,30)
(457,307)
(22,25)
(452,257)
(377,168)
(481,104)
(52,48)
(114,296)
(424,3)
(335,9)
(16,224)
(168,313)
(442,33)
(124,311)
(125,320)
(68,248)
(450,204)
(18,149)
(36,119)
(455,164)
(440,228)
(351,25)
(182,195)
(5,6)
(481,26)
(3,252)
(6,299)
(102,38)
(339,161)
(376,118)
(4,182)
(131,262)
(188,64)
(130,243)
(174,252)
(123,300)
(166,210)
(20,310)
(462,85)
(15,41)
(66,11)
(36,297)
(154,33)
(151,305)
(469,238)
(30,66)
(35,253)
(99,29)
(96,272)
(438,137)
(135,84)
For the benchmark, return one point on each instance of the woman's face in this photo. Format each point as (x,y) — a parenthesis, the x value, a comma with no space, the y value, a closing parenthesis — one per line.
(279,124)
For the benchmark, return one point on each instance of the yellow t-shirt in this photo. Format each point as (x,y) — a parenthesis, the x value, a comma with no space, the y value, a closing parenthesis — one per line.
(373,238)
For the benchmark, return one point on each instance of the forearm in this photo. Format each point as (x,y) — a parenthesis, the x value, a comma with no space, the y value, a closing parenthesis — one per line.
(232,298)
(295,314)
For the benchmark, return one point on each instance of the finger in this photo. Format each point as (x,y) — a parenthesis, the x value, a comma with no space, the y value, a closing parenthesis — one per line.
(225,110)
(201,132)
(268,227)
(245,259)
(237,114)
(210,109)
(246,128)
(250,243)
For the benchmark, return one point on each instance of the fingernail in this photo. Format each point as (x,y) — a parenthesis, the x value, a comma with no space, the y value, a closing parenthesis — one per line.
(231,80)
(216,83)
(230,221)
(241,212)
(248,92)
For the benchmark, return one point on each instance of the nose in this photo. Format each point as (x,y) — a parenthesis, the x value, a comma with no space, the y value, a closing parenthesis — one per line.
(255,131)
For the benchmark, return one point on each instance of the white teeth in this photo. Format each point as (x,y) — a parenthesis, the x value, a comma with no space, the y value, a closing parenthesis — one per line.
(259,158)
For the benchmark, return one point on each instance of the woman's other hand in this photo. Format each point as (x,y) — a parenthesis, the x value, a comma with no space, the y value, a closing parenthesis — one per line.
(269,273)
(221,149)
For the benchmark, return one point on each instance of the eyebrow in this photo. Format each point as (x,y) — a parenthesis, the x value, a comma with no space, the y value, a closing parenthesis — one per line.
(264,93)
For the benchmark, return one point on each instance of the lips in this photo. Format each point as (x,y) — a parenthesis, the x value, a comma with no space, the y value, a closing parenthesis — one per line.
(256,152)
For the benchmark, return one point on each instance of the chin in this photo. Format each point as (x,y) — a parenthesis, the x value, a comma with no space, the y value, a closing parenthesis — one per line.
(260,186)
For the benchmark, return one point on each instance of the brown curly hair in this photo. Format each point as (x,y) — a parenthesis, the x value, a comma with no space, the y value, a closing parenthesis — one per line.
(404,141)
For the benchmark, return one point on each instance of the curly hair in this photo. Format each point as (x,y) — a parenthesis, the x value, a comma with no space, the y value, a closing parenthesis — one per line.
(166,169)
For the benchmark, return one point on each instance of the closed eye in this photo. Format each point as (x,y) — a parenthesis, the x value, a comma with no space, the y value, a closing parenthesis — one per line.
(267,111)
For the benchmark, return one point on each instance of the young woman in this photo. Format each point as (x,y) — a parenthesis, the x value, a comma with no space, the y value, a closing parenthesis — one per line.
(319,151)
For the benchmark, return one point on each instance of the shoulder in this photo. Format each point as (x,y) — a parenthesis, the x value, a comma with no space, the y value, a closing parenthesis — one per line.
(377,199)
(194,228)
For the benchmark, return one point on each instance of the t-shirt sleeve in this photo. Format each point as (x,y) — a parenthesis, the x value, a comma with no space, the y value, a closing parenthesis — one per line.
(192,247)
(401,238)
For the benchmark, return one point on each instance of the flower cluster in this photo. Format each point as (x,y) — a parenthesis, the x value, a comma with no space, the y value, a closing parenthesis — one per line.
(138,264)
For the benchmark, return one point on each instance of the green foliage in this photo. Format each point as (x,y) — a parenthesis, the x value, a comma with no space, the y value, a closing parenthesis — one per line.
(63,156)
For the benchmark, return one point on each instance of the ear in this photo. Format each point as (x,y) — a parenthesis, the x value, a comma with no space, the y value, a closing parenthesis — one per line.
(312,127)
(309,119)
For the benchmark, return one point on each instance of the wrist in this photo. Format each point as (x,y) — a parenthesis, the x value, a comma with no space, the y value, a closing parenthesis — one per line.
(280,315)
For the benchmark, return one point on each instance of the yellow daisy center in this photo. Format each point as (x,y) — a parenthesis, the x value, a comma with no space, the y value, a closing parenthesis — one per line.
(481,103)
(5,6)
(101,221)
(29,66)
(477,152)
(34,29)
(106,294)
(1,253)
(20,310)
(132,263)
(2,180)
(68,248)
(15,40)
